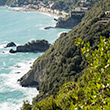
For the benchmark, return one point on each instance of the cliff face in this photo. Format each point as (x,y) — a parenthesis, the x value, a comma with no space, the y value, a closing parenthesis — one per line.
(70,21)
(32,78)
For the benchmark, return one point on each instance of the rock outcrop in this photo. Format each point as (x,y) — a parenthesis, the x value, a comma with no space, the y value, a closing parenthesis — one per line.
(11,44)
(49,27)
(34,46)
(70,21)
(32,79)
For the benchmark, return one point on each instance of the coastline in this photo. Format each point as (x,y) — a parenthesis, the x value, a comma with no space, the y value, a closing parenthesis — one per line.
(22,9)
(17,71)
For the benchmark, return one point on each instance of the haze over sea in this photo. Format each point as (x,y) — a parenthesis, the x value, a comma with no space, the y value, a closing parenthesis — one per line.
(20,27)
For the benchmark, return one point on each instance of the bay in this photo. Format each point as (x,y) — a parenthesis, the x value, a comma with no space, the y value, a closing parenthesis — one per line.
(20,27)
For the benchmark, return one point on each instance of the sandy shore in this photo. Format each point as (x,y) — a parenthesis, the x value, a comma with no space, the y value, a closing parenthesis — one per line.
(51,14)
(22,9)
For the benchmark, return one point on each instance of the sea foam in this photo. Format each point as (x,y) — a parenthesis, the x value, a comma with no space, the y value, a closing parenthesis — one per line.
(10,80)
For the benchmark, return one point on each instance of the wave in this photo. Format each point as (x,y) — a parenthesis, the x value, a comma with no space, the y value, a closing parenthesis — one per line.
(42,28)
(60,33)
(17,72)
(9,106)
(10,84)
(50,15)
(2,46)
(39,25)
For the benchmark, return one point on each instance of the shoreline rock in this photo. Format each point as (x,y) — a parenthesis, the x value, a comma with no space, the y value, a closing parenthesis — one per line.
(34,46)
(29,83)
(49,27)
(70,21)
(11,44)
(36,75)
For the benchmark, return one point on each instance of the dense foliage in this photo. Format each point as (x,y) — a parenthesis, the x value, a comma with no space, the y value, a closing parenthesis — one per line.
(63,61)
(26,106)
(92,91)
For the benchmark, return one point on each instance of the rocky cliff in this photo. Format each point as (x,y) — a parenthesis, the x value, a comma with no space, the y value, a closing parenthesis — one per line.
(70,21)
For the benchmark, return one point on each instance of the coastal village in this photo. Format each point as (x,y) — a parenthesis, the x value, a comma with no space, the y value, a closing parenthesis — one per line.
(41,7)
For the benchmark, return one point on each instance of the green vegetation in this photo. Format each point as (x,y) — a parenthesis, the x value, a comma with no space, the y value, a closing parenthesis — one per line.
(10,2)
(92,91)
(19,2)
(26,106)
(69,5)
(66,5)
(63,61)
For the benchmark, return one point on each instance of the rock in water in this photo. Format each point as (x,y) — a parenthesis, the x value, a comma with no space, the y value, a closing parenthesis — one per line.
(12,51)
(34,46)
(48,27)
(11,44)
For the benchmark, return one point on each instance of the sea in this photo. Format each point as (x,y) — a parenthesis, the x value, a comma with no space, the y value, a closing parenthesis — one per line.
(20,28)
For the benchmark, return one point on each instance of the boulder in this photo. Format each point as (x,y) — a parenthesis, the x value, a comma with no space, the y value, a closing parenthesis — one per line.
(48,27)
(11,44)
(12,51)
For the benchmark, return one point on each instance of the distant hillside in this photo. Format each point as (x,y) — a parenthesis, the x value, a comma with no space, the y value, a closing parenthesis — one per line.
(69,5)
(63,61)
(66,5)
(2,2)
(11,2)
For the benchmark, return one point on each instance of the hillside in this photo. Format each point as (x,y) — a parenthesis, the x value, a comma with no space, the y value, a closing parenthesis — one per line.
(91,92)
(70,21)
(69,5)
(63,61)
(2,2)
(65,5)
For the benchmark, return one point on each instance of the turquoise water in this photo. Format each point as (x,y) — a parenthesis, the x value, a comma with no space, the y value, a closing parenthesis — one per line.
(20,27)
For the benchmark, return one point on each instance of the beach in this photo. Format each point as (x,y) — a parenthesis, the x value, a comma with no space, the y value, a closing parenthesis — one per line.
(23,9)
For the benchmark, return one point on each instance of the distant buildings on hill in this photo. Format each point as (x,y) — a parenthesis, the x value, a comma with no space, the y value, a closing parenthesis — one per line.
(84,9)
(43,8)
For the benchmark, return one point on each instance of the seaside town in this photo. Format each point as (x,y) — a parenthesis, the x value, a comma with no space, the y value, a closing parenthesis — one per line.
(41,7)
